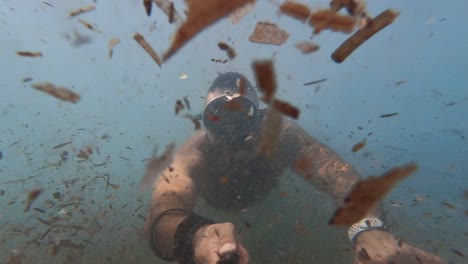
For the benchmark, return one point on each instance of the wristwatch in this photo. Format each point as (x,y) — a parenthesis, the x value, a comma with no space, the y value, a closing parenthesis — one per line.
(365,224)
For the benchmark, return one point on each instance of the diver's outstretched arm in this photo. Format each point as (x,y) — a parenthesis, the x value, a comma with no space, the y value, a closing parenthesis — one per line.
(316,162)
(321,166)
(173,199)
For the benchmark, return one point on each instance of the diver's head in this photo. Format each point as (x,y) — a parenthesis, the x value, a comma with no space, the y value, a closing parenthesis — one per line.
(231,107)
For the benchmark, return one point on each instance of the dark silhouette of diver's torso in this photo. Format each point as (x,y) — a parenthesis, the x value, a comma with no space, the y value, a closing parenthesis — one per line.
(234,176)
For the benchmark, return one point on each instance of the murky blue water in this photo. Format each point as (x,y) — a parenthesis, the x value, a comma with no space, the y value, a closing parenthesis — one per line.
(416,67)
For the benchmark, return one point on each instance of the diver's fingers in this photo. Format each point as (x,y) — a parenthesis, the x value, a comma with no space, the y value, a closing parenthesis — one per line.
(227,239)
(206,245)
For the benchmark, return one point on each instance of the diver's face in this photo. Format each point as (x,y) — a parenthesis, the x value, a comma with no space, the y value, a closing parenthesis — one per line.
(230,118)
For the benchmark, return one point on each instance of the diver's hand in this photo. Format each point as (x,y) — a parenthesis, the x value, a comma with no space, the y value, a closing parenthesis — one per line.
(381,247)
(213,242)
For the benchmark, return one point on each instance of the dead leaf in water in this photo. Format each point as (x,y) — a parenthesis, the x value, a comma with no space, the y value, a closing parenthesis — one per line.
(201,14)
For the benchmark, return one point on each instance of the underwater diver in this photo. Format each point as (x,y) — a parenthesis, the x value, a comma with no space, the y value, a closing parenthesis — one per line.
(221,165)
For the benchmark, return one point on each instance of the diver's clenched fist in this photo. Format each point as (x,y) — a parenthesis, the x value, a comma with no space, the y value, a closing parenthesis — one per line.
(212,243)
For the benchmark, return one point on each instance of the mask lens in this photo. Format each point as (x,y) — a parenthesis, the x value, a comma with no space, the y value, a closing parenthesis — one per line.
(230,116)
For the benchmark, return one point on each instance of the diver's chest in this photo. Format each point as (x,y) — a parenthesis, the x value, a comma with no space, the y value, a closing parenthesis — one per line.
(238,164)
(237,179)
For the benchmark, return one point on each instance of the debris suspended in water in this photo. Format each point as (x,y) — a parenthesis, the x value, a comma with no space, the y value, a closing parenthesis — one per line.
(45,233)
(240,82)
(61,93)
(388,115)
(395,148)
(398,83)
(56,195)
(39,210)
(375,25)
(296,10)
(157,165)
(395,204)
(85,153)
(89,25)
(451,206)
(286,108)
(265,76)
(168,8)
(82,10)
(240,12)
(147,47)
(458,252)
(148,4)
(354,7)
(100,164)
(27,79)
(62,145)
(66,243)
(420,198)
(270,134)
(187,103)
(201,14)
(138,208)
(307,47)
(112,43)
(229,50)
(315,82)
(358,146)
(179,106)
(183,76)
(367,193)
(170,16)
(219,60)
(114,186)
(29,54)
(268,33)
(328,19)
(32,196)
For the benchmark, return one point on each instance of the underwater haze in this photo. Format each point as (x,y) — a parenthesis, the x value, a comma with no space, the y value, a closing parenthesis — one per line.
(85,160)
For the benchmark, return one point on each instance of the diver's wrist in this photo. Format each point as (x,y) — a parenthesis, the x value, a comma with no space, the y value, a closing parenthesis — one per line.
(366,224)
(185,234)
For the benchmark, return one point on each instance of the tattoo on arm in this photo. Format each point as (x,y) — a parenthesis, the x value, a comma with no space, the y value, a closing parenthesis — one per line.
(319,164)
(330,173)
